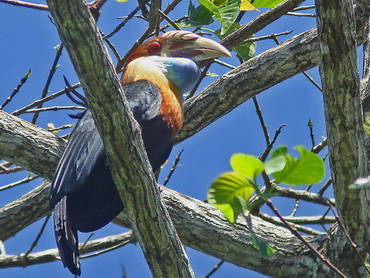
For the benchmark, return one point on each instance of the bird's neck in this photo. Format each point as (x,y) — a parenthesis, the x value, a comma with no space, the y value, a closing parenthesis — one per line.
(172,99)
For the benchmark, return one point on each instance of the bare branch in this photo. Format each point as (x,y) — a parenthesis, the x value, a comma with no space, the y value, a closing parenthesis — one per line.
(23,260)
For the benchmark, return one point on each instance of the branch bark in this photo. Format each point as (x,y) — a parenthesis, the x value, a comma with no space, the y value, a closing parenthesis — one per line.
(343,115)
(129,164)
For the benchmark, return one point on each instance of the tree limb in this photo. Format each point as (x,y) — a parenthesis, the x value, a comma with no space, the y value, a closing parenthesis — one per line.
(343,115)
(127,158)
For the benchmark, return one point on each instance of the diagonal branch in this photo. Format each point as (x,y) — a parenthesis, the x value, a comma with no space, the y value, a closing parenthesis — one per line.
(128,161)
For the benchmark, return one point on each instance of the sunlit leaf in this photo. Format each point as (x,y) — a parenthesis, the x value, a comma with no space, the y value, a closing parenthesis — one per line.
(248,166)
(247,6)
(275,164)
(229,193)
(266,3)
(224,11)
(309,168)
(121,1)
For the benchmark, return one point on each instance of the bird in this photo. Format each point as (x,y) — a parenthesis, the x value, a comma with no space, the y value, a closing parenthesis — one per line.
(154,79)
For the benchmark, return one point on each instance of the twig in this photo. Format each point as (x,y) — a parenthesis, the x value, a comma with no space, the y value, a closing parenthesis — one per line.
(272,142)
(325,186)
(16,90)
(302,195)
(123,23)
(57,129)
(301,14)
(52,255)
(217,266)
(312,134)
(113,48)
(262,120)
(312,81)
(5,168)
(319,147)
(177,160)
(54,108)
(302,8)
(26,4)
(25,180)
(300,228)
(48,81)
(267,37)
(169,20)
(45,99)
(305,242)
(38,236)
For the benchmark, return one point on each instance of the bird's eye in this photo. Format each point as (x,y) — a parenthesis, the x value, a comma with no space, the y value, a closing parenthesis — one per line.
(154,47)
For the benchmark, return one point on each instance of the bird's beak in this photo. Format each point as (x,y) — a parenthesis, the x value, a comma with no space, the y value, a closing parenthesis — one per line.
(190,45)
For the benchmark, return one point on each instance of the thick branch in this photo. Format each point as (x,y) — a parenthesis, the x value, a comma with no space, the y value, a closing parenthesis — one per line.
(201,227)
(29,146)
(130,168)
(343,115)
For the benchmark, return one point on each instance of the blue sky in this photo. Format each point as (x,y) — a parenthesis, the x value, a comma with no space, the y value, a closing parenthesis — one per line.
(27,42)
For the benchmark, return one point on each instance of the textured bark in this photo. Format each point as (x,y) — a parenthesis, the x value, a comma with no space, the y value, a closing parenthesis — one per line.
(343,115)
(129,164)
(199,226)
(29,146)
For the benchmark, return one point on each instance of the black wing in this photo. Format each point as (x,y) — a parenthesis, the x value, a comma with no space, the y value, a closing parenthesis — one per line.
(85,146)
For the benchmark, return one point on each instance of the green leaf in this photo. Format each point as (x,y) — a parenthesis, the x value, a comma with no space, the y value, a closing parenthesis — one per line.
(224,11)
(308,169)
(248,166)
(266,3)
(198,16)
(367,264)
(246,50)
(275,164)
(367,123)
(360,183)
(229,193)
(263,247)
(212,8)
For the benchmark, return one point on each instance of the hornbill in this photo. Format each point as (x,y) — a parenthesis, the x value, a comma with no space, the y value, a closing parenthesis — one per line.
(155,77)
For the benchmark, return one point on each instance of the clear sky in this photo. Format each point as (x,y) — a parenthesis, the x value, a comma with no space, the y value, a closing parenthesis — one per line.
(27,42)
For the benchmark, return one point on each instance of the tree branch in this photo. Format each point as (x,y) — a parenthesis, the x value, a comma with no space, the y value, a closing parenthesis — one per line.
(343,115)
(127,158)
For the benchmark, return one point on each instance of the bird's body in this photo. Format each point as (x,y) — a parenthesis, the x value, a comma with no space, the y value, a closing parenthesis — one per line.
(83,193)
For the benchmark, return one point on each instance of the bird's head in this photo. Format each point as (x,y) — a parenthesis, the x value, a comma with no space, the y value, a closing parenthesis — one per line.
(175,56)
(182,44)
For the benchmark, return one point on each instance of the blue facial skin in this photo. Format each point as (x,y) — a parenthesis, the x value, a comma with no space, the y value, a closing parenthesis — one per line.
(182,72)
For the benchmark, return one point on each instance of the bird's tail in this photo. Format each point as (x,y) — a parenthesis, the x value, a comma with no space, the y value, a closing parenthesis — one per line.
(66,237)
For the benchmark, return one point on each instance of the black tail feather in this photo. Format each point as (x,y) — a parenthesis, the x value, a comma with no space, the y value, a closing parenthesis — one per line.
(66,237)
